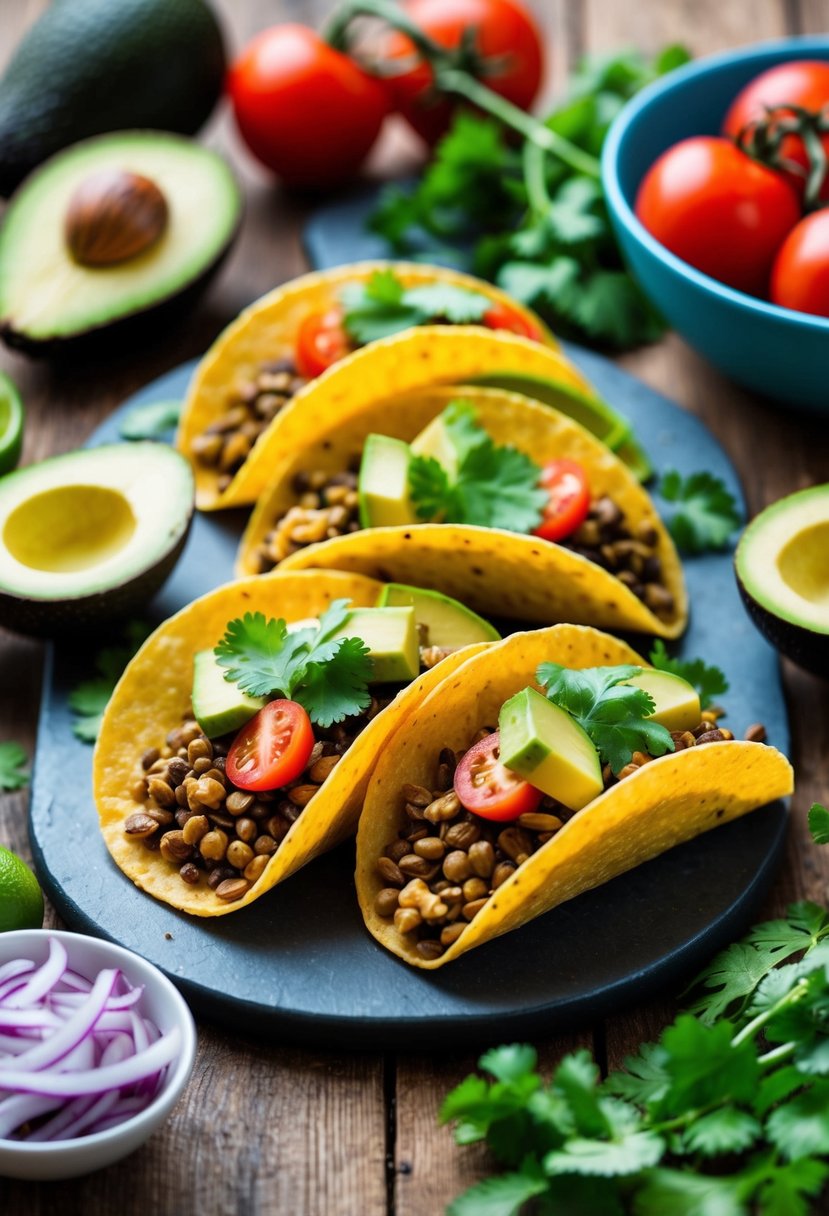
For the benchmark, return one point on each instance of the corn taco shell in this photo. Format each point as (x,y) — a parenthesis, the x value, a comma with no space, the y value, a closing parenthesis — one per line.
(666,802)
(153,695)
(493,571)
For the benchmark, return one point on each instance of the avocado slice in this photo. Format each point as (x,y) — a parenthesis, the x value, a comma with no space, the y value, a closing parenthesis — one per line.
(86,244)
(219,706)
(90,535)
(90,66)
(434,440)
(391,637)
(676,701)
(782,567)
(450,624)
(549,749)
(594,414)
(383,486)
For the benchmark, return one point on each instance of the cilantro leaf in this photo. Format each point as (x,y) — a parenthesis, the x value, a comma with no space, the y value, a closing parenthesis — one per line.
(644,1079)
(12,760)
(430,489)
(819,823)
(705,1066)
(628,1154)
(727,1130)
(383,306)
(89,699)
(577,1079)
(782,1193)
(800,1128)
(708,681)
(682,1194)
(331,690)
(501,1196)
(255,655)
(153,421)
(706,513)
(510,1063)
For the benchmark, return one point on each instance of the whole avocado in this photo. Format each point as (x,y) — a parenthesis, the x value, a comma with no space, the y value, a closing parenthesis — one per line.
(91,66)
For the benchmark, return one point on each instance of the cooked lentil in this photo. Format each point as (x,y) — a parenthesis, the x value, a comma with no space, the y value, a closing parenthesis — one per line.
(326,507)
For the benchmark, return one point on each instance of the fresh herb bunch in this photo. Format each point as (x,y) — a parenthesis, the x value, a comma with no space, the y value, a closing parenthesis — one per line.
(328,676)
(495,486)
(709,681)
(613,713)
(531,218)
(727,1115)
(704,513)
(89,699)
(382,306)
(13,760)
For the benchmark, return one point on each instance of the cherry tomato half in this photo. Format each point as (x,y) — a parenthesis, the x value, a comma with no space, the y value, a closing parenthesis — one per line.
(801,82)
(489,789)
(501,316)
(569,499)
(306,111)
(800,275)
(321,342)
(713,206)
(508,57)
(272,749)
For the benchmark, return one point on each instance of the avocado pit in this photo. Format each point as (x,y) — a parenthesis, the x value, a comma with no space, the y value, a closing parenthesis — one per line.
(114,216)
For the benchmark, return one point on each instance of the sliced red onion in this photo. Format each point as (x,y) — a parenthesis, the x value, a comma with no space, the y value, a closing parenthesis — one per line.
(21,1108)
(17,966)
(43,980)
(95,1081)
(73,1031)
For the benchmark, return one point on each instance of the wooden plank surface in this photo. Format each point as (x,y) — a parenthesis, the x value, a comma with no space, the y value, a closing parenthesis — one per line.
(266,1128)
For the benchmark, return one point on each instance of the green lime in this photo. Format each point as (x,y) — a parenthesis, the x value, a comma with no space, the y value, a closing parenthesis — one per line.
(21,900)
(11,425)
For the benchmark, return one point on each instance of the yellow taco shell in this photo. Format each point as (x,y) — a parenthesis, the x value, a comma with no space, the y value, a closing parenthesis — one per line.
(491,570)
(153,695)
(666,802)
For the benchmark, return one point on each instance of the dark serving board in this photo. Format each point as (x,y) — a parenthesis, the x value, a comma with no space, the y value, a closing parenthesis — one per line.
(299,961)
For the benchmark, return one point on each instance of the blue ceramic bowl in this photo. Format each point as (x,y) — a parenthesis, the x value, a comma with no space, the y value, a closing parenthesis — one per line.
(777,352)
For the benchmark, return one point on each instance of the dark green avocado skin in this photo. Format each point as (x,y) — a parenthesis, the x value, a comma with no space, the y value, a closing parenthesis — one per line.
(803,646)
(91,66)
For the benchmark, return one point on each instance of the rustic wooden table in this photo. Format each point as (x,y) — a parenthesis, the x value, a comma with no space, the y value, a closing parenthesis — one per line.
(266,1128)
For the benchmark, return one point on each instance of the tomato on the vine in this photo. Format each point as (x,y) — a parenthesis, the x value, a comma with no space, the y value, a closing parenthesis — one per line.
(321,342)
(488,788)
(713,206)
(800,275)
(272,749)
(507,56)
(305,110)
(566,509)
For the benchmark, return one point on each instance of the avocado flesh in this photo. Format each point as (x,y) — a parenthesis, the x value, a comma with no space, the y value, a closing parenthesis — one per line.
(548,748)
(391,637)
(383,487)
(450,624)
(782,567)
(434,441)
(45,295)
(676,702)
(90,535)
(219,706)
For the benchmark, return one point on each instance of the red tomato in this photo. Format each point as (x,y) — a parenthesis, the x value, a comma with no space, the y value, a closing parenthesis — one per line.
(500,316)
(802,82)
(321,341)
(272,749)
(489,789)
(505,35)
(800,275)
(713,206)
(305,110)
(569,499)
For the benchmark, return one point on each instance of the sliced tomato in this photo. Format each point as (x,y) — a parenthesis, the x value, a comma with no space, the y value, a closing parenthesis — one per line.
(488,788)
(272,749)
(321,342)
(569,501)
(500,316)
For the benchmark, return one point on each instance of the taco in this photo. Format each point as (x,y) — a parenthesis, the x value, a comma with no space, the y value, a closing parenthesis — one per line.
(466,833)
(441,487)
(216,778)
(291,347)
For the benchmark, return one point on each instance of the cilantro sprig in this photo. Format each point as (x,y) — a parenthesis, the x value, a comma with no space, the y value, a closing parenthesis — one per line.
(13,760)
(328,676)
(705,513)
(383,306)
(495,486)
(726,1115)
(709,681)
(612,712)
(89,699)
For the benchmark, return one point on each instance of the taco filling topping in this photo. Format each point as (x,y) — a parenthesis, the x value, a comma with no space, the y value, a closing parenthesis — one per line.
(453,472)
(492,806)
(274,708)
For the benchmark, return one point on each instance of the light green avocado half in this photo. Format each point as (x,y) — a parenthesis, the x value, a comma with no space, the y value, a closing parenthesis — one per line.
(46,296)
(90,535)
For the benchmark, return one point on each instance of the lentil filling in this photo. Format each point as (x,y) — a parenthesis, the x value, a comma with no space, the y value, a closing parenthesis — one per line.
(226,444)
(446,862)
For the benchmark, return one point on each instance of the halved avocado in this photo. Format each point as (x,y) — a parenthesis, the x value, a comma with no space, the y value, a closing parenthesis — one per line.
(90,535)
(113,228)
(782,565)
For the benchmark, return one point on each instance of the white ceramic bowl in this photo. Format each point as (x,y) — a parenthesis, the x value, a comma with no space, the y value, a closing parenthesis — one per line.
(161,1002)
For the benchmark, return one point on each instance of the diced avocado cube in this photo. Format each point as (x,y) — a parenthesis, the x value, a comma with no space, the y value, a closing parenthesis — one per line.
(549,749)
(383,486)
(219,707)
(391,637)
(677,701)
(434,440)
(450,624)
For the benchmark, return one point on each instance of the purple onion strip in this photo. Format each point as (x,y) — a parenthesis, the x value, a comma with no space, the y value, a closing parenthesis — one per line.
(71,1033)
(43,980)
(95,1081)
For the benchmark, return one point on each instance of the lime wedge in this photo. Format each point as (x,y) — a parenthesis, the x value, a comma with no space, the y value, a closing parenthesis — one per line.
(11,424)
(594,414)
(21,900)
